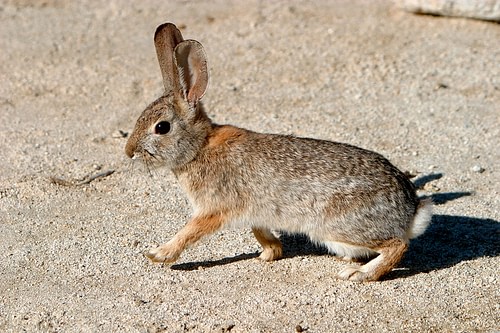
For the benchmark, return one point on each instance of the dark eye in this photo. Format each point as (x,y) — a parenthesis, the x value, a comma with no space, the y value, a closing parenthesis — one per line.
(163,127)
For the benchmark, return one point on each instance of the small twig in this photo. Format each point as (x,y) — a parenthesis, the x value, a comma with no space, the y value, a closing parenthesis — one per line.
(63,182)
(94,177)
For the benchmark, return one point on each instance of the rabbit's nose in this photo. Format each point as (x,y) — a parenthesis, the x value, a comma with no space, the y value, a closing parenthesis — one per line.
(130,149)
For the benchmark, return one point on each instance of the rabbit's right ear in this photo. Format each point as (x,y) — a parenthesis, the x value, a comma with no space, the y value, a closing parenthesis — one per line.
(191,62)
(167,36)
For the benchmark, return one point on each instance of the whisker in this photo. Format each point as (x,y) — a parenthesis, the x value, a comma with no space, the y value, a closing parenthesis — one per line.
(150,163)
(130,167)
(147,165)
(151,166)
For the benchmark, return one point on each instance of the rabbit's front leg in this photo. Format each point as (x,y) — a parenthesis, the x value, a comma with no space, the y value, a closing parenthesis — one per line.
(195,229)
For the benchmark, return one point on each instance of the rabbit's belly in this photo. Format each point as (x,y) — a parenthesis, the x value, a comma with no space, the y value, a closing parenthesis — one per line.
(348,250)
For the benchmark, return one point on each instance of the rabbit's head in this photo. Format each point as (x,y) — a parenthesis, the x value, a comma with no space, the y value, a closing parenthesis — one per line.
(173,128)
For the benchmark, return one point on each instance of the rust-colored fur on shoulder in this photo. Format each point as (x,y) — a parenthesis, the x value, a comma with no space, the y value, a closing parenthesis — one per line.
(225,135)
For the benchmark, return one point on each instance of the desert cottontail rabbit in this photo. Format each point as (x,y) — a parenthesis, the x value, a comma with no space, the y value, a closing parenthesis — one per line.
(351,200)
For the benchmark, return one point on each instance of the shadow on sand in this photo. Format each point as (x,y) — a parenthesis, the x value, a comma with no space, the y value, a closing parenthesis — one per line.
(450,240)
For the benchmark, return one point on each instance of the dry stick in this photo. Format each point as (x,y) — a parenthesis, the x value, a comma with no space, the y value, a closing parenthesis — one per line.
(94,177)
(63,182)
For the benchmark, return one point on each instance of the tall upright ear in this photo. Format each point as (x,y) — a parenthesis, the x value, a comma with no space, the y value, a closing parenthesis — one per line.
(167,37)
(191,62)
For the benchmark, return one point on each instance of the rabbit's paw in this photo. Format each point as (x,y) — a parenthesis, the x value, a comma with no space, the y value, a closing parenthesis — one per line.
(165,253)
(271,253)
(355,273)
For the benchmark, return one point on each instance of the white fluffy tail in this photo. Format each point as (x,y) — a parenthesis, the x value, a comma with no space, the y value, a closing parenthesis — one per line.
(421,219)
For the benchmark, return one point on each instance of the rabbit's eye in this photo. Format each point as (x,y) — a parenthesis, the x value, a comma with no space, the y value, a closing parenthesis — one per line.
(163,127)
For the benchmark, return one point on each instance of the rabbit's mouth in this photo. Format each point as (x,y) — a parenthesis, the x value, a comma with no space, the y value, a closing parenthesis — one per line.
(143,156)
(152,155)
(151,158)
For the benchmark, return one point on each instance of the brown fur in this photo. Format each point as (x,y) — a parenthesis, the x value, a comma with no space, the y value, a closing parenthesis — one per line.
(225,135)
(393,251)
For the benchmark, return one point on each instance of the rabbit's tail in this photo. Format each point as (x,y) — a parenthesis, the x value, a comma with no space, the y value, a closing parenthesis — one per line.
(421,219)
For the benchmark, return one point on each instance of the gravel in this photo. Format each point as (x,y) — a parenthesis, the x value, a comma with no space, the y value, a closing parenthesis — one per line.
(422,90)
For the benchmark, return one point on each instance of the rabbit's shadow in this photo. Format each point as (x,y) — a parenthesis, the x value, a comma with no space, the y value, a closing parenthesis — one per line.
(448,241)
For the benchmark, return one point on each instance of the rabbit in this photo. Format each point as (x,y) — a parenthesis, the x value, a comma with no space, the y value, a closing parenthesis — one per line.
(351,200)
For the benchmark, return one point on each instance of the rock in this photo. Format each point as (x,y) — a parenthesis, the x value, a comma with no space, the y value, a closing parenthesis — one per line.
(482,10)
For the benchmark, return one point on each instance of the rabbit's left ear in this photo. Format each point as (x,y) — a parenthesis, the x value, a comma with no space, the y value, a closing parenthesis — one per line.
(191,63)
(167,37)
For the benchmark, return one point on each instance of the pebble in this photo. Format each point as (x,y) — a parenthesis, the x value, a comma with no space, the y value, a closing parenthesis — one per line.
(478,169)
(228,326)
(119,134)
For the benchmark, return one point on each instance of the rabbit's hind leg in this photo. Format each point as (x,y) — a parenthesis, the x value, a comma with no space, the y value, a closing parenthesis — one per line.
(272,246)
(390,253)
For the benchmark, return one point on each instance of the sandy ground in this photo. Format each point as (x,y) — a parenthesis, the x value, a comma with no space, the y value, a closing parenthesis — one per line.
(422,90)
